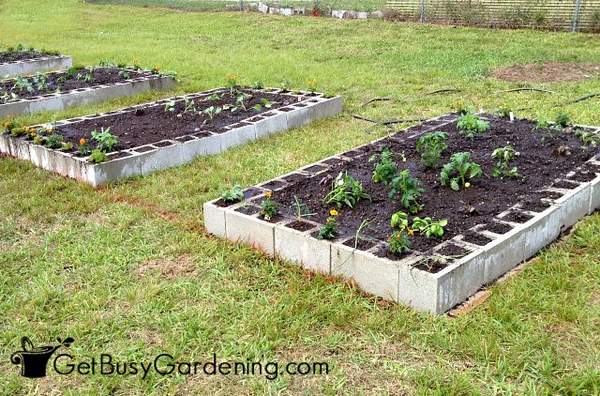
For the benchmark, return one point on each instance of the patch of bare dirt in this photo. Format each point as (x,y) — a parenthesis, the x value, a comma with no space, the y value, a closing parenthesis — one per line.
(547,72)
(170,269)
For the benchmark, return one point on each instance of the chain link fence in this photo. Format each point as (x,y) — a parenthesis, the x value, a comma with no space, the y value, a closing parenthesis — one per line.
(573,15)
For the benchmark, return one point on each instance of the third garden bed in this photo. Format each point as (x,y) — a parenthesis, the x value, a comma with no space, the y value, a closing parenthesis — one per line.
(427,216)
(21,61)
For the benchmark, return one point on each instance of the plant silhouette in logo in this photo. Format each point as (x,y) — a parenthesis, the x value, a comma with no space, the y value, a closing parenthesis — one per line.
(33,360)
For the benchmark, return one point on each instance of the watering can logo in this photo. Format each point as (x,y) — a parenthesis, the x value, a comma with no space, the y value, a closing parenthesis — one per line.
(33,360)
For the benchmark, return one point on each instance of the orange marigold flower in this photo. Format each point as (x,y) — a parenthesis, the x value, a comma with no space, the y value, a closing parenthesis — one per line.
(82,141)
(333,212)
(268,194)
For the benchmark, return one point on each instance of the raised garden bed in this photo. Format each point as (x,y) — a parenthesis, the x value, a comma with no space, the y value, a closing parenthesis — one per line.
(75,87)
(21,61)
(494,222)
(158,135)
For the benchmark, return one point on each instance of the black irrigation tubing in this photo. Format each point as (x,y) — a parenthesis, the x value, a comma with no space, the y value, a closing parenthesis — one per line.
(569,102)
(380,99)
(439,91)
(525,89)
(388,122)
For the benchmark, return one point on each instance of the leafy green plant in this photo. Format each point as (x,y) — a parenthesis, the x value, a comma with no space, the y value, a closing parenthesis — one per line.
(40,81)
(431,146)
(408,188)
(124,74)
(542,123)
(329,229)
(97,156)
(399,241)
(23,84)
(285,85)
(563,119)
(300,208)
(258,85)
(212,111)
(232,81)
(234,194)
(170,106)
(54,141)
(471,125)
(459,171)
(346,190)
(240,100)
(311,85)
(105,141)
(429,227)
(189,106)
(385,169)
(268,207)
(264,103)
(84,148)
(588,138)
(504,155)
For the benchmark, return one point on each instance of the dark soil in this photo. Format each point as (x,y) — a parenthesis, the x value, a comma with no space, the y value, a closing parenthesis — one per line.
(63,81)
(547,72)
(14,56)
(154,123)
(539,164)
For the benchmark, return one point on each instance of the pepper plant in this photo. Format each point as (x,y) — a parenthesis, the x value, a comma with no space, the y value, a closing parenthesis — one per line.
(431,146)
(460,171)
(408,189)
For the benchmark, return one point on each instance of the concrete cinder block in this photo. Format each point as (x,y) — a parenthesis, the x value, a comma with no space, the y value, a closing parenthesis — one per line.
(372,274)
(270,125)
(574,205)
(594,195)
(32,66)
(214,219)
(237,136)
(300,116)
(460,280)
(256,232)
(301,248)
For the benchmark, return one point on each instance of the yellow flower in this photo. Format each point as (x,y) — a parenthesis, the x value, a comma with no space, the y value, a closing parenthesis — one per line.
(467,185)
(410,232)
(268,194)
(333,212)
(157,68)
(82,141)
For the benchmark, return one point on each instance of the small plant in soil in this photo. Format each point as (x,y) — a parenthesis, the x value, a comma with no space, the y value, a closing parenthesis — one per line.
(264,103)
(471,125)
(232,81)
(460,171)
(40,81)
(84,148)
(431,146)
(233,195)
(189,106)
(399,241)
(385,168)
(54,141)
(588,139)
(542,123)
(504,155)
(268,207)
(346,190)
(328,231)
(429,227)
(300,208)
(105,141)
(311,85)
(170,106)
(563,119)
(285,85)
(23,84)
(504,111)
(212,111)
(258,85)
(408,189)
(97,156)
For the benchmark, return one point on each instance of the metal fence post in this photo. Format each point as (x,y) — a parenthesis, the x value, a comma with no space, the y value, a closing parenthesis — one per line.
(576,15)
(422,11)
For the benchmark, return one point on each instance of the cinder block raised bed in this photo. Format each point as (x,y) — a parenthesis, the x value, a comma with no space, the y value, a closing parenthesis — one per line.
(138,82)
(435,275)
(163,134)
(35,65)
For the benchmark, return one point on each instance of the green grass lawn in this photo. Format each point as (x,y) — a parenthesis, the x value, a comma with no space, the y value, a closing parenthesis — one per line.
(129,270)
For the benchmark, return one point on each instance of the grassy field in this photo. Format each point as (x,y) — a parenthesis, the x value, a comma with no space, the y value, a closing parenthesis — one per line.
(129,270)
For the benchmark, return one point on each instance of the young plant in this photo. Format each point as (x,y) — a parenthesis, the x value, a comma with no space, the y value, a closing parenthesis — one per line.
(170,106)
(504,155)
(346,190)
(258,85)
(268,207)
(385,168)
(588,138)
(300,208)
(459,171)
(105,141)
(431,146)
(212,111)
(84,148)
(232,81)
(409,190)
(471,125)
(54,141)
(285,85)
(240,100)
(97,156)
(234,194)
(399,241)
(264,103)
(189,106)
(428,227)
(124,74)
(40,81)
(328,231)
(23,84)
(311,85)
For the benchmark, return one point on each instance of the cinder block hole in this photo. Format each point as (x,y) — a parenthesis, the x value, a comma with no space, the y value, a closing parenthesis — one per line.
(315,169)
(202,134)
(144,149)
(255,119)
(274,185)
(300,105)
(552,194)
(360,244)
(535,205)
(431,265)
(384,252)
(566,184)
(453,251)
(184,138)
(299,225)
(476,238)
(248,209)
(252,192)
(517,217)
(333,161)
(295,178)
(117,155)
(285,109)
(498,228)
